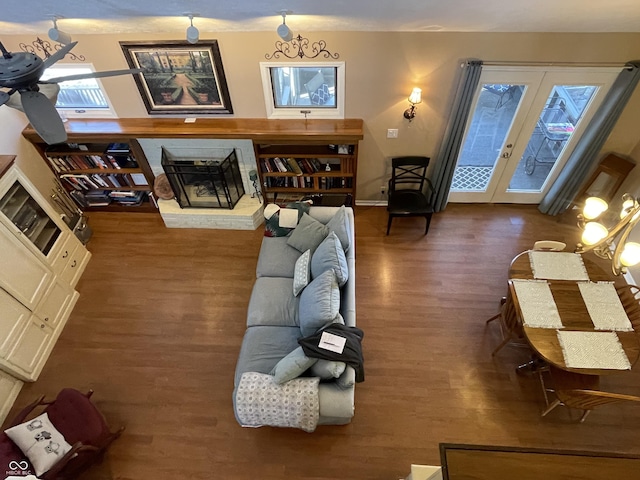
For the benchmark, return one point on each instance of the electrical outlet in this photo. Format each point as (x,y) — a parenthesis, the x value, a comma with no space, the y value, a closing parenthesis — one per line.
(392,133)
(383,189)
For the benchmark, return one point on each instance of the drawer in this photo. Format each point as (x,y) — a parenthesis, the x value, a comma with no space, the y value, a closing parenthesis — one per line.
(77,262)
(64,254)
(54,303)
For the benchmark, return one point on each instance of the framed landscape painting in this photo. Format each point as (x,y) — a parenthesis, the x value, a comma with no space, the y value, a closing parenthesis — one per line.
(178,77)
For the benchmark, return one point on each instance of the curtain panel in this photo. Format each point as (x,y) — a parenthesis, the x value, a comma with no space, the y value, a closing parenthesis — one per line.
(454,134)
(586,154)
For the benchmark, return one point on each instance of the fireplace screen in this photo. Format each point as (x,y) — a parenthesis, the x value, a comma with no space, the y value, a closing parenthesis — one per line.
(200,182)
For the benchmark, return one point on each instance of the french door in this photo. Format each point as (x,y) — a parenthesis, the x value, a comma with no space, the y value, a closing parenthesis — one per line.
(525,123)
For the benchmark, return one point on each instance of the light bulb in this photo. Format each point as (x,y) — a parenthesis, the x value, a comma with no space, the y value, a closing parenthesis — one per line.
(593,207)
(593,233)
(630,254)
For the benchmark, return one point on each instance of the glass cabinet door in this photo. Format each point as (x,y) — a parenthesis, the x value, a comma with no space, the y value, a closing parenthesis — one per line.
(29,217)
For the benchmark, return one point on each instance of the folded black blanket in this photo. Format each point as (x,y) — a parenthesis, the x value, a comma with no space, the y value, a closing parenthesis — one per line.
(351,355)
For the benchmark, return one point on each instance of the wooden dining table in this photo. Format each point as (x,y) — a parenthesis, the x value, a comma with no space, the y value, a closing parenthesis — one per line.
(573,313)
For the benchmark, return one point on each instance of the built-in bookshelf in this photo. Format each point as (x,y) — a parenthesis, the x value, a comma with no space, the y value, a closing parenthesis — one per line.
(327,169)
(100,175)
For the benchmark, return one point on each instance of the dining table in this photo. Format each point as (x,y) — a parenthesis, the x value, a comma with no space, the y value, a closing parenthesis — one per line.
(571,315)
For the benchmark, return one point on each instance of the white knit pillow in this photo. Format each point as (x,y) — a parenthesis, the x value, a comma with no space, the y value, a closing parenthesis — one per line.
(302,273)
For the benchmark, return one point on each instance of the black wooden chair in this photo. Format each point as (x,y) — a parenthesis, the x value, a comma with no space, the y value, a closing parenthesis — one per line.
(410,191)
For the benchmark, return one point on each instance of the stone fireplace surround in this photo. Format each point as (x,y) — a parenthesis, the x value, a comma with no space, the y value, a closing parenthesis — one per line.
(247,214)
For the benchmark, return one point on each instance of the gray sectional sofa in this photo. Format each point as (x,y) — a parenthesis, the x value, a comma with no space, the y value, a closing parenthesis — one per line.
(277,318)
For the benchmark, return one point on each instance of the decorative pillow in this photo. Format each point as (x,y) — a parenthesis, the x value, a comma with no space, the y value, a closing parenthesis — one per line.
(330,256)
(41,443)
(308,234)
(319,303)
(272,218)
(302,273)
(292,366)
(327,369)
(339,223)
(320,95)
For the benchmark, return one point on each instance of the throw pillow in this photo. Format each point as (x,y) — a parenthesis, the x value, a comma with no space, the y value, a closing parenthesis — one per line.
(308,234)
(320,95)
(272,218)
(292,366)
(319,303)
(327,369)
(339,223)
(302,273)
(41,443)
(330,256)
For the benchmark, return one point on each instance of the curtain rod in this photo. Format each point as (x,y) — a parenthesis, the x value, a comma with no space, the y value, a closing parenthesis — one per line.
(507,63)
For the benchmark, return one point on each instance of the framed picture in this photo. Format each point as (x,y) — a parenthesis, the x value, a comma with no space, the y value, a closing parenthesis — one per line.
(178,77)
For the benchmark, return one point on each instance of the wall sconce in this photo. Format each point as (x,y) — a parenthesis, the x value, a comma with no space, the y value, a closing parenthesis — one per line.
(58,35)
(414,99)
(599,239)
(193,35)
(284,32)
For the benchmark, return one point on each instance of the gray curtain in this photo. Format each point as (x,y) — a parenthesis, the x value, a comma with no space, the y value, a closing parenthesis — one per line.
(586,153)
(454,134)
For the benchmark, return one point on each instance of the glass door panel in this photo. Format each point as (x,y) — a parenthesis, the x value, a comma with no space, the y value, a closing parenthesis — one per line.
(29,217)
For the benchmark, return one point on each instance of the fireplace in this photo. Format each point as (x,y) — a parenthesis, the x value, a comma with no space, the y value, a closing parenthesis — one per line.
(199,181)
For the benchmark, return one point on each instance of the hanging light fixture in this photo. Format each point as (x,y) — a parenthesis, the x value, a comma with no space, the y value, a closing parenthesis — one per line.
(414,99)
(193,35)
(56,34)
(284,32)
(599,239)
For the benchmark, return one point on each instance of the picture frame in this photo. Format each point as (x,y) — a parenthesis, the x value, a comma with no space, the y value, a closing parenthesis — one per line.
(178,77)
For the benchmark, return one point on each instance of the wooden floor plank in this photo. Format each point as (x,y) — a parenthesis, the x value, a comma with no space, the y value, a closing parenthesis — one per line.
(161,315)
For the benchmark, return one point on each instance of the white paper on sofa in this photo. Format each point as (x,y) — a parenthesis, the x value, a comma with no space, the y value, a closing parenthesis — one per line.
(331,342)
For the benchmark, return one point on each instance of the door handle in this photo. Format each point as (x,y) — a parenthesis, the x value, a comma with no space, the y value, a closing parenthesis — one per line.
(506,154)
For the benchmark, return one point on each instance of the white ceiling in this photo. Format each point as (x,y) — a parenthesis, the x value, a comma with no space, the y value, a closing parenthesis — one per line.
(161,16)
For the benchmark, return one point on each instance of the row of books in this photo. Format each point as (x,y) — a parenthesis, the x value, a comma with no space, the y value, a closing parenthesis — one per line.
(324,183)
(103,198)
(65,163)
(299,166)
(95,181)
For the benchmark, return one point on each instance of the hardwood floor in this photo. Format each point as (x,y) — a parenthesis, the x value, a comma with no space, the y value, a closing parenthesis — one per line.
(161,315)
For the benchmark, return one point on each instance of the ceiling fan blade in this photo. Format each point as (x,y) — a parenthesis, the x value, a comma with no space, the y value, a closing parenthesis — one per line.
(81,76)
(59,55)
(43,116)
(4,97)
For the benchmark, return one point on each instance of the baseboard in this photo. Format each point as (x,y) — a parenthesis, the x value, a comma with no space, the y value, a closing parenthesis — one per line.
(371,203)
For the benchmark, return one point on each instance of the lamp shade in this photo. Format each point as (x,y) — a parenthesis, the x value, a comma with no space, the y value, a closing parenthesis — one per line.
(59,36)
(284,32)
(593,233)
(416,96)
(593,207)
(630,254)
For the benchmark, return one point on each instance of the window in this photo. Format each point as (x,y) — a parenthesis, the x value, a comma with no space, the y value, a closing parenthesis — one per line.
(79,97)
(290,89)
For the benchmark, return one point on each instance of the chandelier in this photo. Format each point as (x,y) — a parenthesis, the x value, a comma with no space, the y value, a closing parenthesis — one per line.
(610,243)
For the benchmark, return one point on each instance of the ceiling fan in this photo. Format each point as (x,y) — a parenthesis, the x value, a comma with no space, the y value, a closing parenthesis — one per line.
(20,73)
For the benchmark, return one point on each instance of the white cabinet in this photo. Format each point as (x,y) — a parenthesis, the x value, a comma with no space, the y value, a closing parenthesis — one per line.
(41,261)
(9,390)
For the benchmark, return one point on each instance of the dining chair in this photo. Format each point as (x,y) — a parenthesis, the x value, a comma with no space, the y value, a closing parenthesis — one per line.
(510,325)
(577,390)
(410,191)
(549,245)
(628,296)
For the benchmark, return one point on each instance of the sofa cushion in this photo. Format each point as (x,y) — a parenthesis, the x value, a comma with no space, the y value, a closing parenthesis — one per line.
(292,366)
(339,223)
(319,303)
(263,347)
(308,234)
(277,259)
(272,303)
(330,256)
(327,369)
(302,273)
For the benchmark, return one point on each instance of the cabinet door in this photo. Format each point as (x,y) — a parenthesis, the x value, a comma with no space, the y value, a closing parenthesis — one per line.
(9,389)
(54,303)
(31,345)
(12,320)
(76,263)
(23,275)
